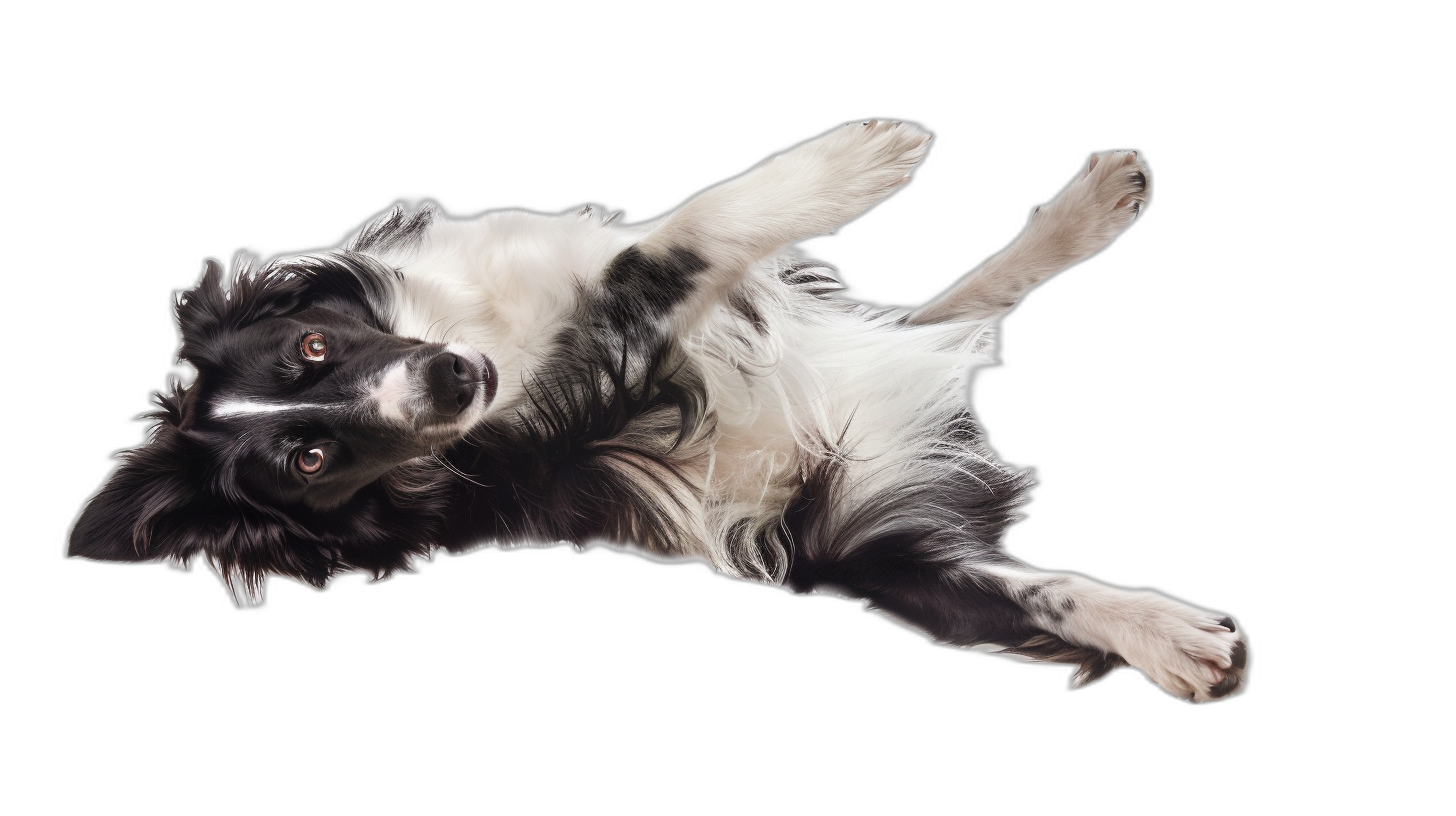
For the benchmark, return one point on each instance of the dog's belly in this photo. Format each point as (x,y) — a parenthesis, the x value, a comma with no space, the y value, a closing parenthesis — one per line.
(753,467)
(819,383)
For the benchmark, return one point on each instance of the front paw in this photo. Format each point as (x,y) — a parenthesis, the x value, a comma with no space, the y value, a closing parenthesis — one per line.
(846,171)
(1100,203)
(1117,178)
(874,157)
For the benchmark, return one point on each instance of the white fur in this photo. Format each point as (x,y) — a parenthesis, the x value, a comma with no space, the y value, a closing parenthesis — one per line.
(240,407)
(501,284)
(505,282)
(392,393)
(813,385)
(401,396)
(806,384)
(1182,649)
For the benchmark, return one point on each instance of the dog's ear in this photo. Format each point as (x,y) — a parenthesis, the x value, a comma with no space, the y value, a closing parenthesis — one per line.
(155,507)
(158,505)
(341,280)
(141,512)
(203,309)
(133,518)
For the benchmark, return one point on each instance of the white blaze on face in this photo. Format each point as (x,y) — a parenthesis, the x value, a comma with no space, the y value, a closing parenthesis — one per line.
(391,395)
(240,407)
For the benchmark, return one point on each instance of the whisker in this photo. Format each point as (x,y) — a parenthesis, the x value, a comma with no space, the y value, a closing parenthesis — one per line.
(446,464)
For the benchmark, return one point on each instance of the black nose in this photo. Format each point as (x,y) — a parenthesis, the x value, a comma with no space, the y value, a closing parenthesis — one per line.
(453,381)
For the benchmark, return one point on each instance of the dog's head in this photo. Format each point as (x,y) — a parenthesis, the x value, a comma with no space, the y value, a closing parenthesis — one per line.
(301,447)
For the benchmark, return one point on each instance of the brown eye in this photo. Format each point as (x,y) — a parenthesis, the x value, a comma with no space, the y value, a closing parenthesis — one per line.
(314,348)
(310,461)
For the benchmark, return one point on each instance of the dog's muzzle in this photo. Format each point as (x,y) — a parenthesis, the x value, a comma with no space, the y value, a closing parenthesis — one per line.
(453,382)
(449,386)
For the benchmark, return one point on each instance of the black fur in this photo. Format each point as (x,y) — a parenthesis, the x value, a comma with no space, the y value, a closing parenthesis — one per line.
(317,439)
(562,471)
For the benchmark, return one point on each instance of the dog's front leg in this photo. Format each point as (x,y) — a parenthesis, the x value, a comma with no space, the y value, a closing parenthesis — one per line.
(1098,205)
(692,257)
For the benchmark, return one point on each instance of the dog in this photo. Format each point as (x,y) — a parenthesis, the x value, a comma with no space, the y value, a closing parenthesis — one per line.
(687,386)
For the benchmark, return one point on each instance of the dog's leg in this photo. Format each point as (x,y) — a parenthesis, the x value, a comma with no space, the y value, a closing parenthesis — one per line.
(1100,203)
(967,593)
(1190,652)
(697,253)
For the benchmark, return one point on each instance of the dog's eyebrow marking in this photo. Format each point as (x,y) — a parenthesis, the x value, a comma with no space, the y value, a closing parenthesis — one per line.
(235,407)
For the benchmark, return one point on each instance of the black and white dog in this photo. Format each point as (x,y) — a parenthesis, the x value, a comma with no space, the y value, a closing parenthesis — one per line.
(682,385)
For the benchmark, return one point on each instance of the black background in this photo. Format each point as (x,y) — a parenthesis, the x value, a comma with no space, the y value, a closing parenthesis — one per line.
(1129,383)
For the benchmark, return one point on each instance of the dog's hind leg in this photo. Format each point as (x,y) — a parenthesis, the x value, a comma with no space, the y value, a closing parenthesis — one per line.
(1190,652)
(917,533)
(980,596)
(696,254)
(1100,203)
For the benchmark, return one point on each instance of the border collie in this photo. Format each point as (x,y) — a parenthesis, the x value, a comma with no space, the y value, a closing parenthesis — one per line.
(683,385)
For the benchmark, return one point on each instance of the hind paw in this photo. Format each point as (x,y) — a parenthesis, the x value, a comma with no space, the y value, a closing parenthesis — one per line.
(1191,654)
